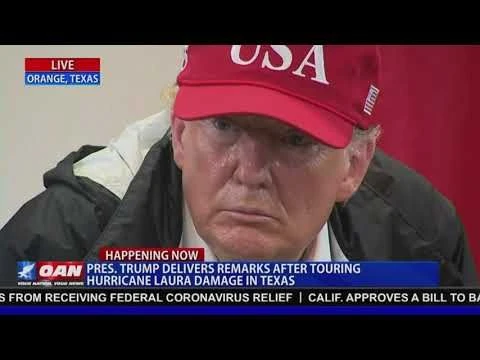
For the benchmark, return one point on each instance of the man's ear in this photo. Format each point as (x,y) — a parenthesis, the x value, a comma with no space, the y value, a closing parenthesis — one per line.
(358,161)
(178,128)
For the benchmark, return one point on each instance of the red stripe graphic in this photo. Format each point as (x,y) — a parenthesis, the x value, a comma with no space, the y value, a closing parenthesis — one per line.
(62,64)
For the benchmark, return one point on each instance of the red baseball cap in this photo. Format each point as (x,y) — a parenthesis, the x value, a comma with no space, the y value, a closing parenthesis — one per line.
(323,90)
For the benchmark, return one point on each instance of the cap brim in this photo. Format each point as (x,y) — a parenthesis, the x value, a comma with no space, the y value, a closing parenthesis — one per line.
(197,102)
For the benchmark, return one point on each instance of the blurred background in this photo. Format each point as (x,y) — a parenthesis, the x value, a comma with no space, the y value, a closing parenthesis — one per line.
(431,120)
(40,125)
(430,106)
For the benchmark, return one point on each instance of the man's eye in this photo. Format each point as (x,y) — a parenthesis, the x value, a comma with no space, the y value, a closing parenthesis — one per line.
(296,139)
(222,124)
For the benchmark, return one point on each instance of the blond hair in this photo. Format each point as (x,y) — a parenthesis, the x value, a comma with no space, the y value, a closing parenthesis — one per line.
(167,96)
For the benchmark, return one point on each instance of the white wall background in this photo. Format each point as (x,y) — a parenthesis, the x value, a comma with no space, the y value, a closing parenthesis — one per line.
(39,126)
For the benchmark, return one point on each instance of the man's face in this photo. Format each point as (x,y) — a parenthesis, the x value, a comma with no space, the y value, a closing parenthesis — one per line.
(256,188)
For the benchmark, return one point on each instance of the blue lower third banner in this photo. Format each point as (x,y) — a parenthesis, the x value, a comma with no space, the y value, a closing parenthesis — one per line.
(261,274)
(62,78)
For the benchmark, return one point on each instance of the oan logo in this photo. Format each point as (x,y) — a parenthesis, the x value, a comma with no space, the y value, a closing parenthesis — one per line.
(26,271)
(60,271)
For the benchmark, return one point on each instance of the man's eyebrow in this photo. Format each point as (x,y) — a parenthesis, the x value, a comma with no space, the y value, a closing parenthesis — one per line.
(265,122)
(279,128)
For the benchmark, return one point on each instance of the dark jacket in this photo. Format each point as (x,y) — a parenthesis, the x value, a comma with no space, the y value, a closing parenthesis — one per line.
(395,215)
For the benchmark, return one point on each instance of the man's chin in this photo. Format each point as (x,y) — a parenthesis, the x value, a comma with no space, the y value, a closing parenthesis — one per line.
(245,244)
(254,256)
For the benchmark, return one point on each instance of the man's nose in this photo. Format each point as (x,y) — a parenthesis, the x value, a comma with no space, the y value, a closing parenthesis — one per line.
(254,160)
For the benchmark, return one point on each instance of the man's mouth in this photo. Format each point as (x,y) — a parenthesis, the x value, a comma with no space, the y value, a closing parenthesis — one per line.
(249,214)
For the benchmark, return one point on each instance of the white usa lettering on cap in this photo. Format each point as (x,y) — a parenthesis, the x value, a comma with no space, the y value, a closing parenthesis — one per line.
(316,52)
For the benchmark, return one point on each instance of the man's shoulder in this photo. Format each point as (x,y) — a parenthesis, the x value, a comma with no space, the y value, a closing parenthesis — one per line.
(410,199)
(402,186)
(404,216)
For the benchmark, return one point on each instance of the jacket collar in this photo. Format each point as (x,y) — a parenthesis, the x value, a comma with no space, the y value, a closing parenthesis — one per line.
(355,229)
(150,214)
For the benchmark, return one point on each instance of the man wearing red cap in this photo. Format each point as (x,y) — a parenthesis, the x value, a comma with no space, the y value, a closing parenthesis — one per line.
(268,152)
